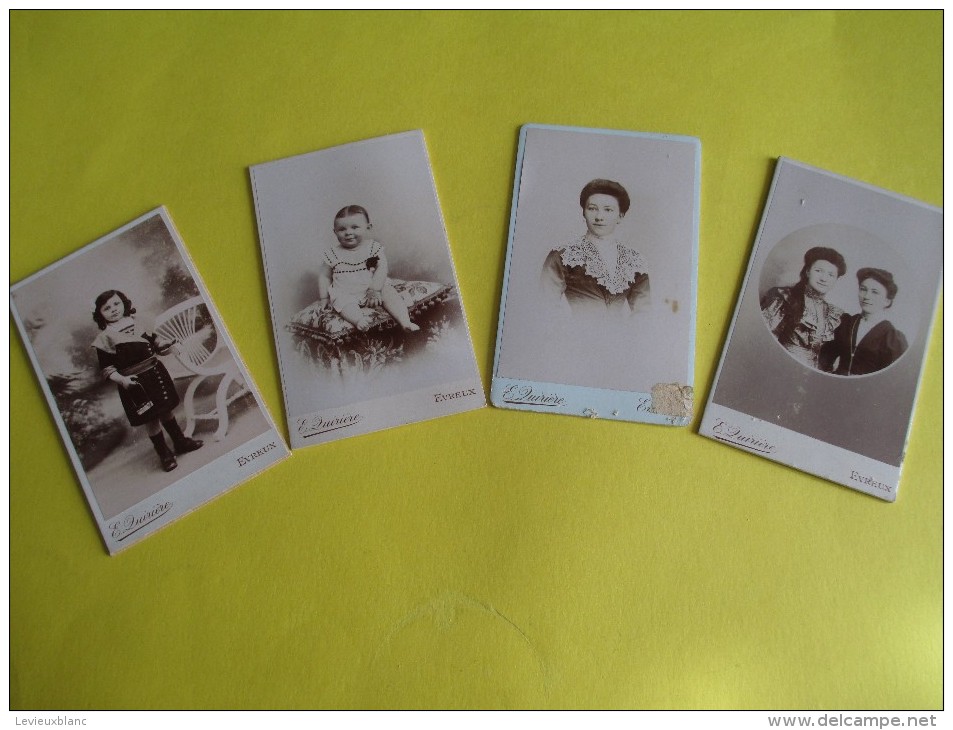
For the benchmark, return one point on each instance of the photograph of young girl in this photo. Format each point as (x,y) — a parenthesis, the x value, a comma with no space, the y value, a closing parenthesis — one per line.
(142,377)
(129,356)
(367,317)
(599,290)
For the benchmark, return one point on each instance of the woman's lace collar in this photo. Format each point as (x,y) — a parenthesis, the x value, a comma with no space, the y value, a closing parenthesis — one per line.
(582,252)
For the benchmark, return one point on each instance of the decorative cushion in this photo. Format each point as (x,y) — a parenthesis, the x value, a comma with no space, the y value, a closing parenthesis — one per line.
(322,323)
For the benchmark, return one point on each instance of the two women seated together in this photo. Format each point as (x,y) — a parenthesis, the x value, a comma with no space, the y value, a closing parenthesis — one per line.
(825,337)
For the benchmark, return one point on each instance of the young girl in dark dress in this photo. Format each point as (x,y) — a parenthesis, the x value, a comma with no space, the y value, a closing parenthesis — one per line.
(127,355)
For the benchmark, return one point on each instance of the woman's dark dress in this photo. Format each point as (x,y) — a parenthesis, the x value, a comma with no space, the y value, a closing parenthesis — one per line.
(578,272)
(879,347)
(122,348)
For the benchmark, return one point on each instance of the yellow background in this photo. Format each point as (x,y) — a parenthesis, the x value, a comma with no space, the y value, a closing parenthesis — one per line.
(495,558)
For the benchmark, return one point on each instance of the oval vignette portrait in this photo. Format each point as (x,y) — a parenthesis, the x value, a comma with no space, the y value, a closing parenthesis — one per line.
(838,300)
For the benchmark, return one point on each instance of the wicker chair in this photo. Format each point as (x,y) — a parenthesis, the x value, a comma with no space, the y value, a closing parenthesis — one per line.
(202,352)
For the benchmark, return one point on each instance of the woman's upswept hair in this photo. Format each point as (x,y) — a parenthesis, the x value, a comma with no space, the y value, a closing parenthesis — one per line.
(792,315)
(822,253)
(105,297)
(600,186)
(882,276)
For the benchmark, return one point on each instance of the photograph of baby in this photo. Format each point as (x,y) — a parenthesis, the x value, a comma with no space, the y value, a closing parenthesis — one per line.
(824,356)
(598,309)
(353,276)
(361,319)
(154,406)
(367,317)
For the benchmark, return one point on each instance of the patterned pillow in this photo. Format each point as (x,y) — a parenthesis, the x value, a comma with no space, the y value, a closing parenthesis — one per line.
(320,322)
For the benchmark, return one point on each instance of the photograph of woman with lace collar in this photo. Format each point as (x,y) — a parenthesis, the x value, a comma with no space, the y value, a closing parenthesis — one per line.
(601,261)
(140,371)
(597,271)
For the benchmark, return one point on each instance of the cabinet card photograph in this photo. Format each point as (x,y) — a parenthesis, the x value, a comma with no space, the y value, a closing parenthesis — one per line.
(597,316)
(824,355)
(155,408)
(367,318)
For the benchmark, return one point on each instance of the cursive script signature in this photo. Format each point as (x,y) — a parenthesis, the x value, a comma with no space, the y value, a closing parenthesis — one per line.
(314,425)
(724,431)
(133,522)
(526,394)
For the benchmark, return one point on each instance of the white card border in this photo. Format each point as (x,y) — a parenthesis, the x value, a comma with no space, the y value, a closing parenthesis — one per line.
(382,411)
(586,401)
(795,456)
(193,490)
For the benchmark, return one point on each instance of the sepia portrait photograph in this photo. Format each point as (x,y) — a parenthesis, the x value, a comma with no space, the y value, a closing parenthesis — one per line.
(599,292)
(846,311)
(367,317)
(828,340)
(154,407)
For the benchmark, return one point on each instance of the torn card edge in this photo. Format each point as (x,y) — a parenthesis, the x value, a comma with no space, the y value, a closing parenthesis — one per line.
(514,209)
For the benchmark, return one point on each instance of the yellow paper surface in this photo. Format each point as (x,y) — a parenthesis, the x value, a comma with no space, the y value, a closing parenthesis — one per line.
(495,559)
